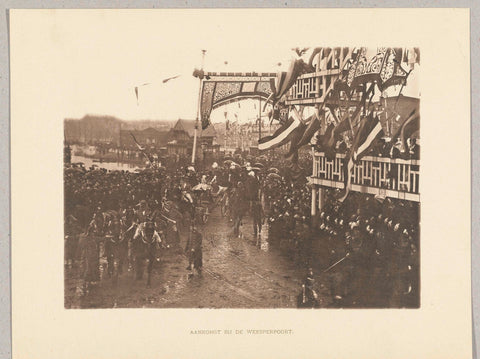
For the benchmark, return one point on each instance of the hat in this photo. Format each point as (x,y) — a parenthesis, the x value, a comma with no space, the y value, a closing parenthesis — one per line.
(149,225)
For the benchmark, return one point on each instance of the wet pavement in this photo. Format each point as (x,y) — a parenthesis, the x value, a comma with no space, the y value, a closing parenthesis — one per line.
(236,274)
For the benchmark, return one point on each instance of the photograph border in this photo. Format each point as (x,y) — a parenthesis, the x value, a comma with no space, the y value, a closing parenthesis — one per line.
(5,224)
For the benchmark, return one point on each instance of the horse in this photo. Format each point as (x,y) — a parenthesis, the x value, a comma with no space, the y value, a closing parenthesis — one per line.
(116,247)
(166,222)
(108,228)
(239,207)
(89,255)
(128,231)
(146,244)
(186,206)
(72,231)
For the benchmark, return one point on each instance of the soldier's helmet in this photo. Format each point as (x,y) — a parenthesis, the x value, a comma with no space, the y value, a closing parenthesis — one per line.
(149,226)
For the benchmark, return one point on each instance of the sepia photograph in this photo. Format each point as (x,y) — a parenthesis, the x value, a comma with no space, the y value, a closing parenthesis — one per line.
(291,186)
(247,183)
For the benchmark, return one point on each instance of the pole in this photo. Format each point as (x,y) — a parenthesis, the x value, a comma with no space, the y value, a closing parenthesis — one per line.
(259,118)
(194,150)
(337,262)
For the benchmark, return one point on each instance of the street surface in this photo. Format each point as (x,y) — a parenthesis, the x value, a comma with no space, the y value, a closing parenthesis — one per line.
(236,274)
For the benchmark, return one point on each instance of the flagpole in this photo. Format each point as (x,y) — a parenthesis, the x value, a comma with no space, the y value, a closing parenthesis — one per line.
(259,118)
(194,150)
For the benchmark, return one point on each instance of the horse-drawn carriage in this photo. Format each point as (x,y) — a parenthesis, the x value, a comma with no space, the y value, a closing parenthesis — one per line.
(207,197)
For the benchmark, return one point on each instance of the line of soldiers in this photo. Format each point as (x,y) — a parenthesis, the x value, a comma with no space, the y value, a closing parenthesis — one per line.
(374,255)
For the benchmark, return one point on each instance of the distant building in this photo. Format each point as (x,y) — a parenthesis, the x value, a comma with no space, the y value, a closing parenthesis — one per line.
(149,137)
(180,139)
(93,130)
(241,137)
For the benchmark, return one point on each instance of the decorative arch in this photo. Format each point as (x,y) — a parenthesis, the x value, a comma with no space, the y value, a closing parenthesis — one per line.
(222,88)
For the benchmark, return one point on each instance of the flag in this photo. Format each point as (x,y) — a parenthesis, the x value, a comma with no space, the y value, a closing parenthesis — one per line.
(407,129)
(279,113)
(368,132)
(142,149)
(285,81)
(313,127)
(295,137)
(170,78)
(281,135)
(327,141)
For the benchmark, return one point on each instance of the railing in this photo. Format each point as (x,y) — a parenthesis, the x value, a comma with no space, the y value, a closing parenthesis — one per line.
(313,87)
(395,178)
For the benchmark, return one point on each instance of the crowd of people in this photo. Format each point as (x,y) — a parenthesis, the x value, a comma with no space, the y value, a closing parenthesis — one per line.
(377,239)
(367,247)
(385,147)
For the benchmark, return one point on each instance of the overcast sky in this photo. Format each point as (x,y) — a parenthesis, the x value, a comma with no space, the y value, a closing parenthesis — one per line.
(104,56)
(91,61)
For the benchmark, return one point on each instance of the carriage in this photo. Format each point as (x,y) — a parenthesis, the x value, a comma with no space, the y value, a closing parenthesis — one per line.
(207,197)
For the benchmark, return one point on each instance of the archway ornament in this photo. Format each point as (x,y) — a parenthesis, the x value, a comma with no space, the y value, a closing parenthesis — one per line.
(222,88)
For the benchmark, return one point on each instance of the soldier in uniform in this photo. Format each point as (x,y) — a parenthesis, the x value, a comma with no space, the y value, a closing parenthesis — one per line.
(194,250)
(90,258)
(143,212)
(239,207)
(257,215)
(402,277)
(355,265)
(308,297)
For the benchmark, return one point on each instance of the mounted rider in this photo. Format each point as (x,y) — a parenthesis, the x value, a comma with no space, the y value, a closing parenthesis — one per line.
(146,244)
(143,212)
(146,233)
